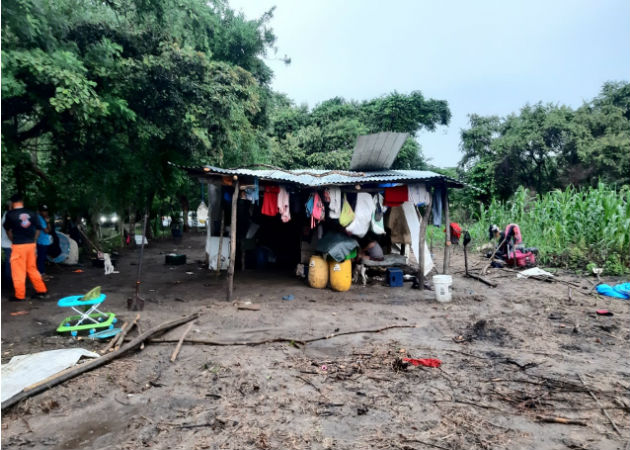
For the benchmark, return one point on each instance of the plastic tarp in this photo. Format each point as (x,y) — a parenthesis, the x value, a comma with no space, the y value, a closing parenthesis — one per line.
(25,370)
(337,245)
(533,272)
(69,250)
(212,249)
(413,222)
(618,291)
(202,214)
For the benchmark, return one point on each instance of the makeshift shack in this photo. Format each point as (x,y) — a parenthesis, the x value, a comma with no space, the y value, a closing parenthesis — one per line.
(283,217)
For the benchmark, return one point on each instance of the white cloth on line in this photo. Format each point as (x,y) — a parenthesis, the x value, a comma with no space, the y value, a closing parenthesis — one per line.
(362,215)
(334,207)
(377,225)
(418,194)
(413,223)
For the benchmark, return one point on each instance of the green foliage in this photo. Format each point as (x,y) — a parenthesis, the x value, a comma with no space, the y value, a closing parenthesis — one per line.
(571,228)
(546,147)
(325,137)
(97,97)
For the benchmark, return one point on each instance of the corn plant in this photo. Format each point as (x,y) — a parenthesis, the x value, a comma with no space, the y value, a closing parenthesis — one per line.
(571,228)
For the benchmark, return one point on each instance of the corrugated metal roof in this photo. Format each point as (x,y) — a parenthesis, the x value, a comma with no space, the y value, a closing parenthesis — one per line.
(377,151)
(320,178)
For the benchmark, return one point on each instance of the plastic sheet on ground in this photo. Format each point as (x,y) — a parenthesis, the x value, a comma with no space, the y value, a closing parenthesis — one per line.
(533,272)
(25,370)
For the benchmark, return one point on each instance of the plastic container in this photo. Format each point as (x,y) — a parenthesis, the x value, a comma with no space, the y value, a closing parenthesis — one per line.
(340,275)
(442,285)
(317,272)
(394,277)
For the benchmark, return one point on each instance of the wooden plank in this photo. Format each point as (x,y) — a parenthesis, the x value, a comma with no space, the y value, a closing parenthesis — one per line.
(178,347)
(447,239)
(423,238)
(230,289)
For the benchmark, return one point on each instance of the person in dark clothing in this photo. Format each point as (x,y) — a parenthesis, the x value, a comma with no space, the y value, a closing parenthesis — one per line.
(44,240)
(23,229)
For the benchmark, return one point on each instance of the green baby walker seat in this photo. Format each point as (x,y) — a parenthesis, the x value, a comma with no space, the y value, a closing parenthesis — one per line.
(89,317)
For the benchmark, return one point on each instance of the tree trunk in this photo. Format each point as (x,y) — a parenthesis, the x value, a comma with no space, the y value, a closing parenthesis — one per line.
(185,208)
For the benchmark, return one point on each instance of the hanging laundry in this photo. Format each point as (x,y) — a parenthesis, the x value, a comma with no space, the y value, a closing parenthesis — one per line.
(418,194)
(314,208)
(252,193)
(347,214)
(397,223)
(270,201)
(334,207)
(377,216)
(436,209)
(396,196)
(413,220)
(283,205)
(362,215)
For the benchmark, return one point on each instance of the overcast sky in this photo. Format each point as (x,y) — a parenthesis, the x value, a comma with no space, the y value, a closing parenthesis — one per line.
(485,57)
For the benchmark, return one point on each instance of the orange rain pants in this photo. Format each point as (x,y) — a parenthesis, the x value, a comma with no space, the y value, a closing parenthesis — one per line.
(24,262)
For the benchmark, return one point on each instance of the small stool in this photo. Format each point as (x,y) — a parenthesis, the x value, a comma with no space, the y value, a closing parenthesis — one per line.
(89,316)
(394,277)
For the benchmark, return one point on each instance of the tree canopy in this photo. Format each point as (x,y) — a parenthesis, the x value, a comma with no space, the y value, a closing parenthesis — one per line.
(548,146)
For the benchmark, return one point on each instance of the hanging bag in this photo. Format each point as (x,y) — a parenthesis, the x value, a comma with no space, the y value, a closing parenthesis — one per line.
(347,214)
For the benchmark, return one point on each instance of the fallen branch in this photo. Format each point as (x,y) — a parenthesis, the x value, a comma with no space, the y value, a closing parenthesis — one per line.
(180,342)
(115,339)
(87,366)
(123,333)
(612,422)
(562,420)
(278,339)
(483,280)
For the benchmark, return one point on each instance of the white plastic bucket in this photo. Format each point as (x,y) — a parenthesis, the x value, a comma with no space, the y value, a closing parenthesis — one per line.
(442,284)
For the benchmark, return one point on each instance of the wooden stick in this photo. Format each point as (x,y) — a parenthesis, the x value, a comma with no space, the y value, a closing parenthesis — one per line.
(612,422)
(87,366)
(230,287)
(423,239)
(221,231)
(180,342)
(562,420)
(114,340)
(278,339)
(447,238)
(483,280)
(123,333)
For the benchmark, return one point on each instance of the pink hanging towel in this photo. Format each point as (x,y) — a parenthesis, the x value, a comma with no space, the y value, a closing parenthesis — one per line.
(283,205)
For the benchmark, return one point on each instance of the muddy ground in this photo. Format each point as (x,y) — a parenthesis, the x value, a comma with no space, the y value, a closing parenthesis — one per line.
(511,355)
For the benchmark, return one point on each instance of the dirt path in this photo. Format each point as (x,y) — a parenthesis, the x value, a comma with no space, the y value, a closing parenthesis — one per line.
(510,354)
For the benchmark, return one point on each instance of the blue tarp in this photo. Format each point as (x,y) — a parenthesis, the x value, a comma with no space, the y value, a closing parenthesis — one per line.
(618,291)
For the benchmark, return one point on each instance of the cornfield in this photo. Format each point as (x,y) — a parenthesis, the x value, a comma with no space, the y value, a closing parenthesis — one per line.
(571,228)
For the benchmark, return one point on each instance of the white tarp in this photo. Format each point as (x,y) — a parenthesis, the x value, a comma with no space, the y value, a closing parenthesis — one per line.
(25,370)
(212,249)
(413,222)
(533,272)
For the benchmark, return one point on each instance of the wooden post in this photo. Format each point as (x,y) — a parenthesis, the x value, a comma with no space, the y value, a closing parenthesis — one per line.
(423,239)
(230,289)
(447,239)
(208,227)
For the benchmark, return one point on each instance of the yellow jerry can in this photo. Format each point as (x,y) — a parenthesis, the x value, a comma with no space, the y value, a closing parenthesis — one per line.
(340,274)
(317,272)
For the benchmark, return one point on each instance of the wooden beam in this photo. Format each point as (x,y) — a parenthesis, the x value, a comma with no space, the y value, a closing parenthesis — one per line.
(230,289)
(447,238)
(423,239)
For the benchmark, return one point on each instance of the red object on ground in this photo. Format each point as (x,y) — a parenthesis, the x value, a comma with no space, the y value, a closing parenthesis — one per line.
(604,312)
(427,362)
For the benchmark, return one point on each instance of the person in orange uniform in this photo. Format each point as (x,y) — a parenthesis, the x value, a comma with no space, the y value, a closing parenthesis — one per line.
(23,229)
